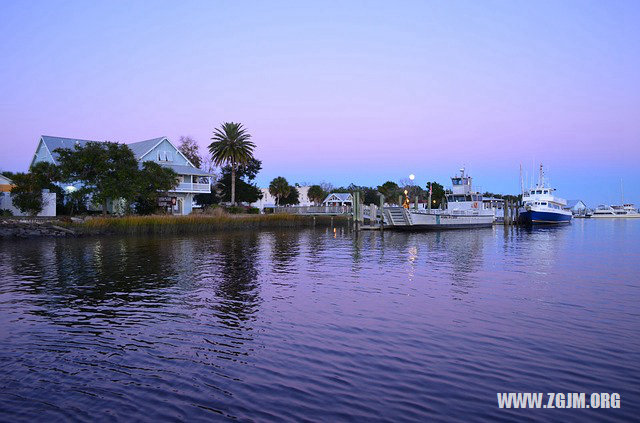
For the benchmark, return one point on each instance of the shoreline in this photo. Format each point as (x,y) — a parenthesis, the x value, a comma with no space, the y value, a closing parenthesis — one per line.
(26,227)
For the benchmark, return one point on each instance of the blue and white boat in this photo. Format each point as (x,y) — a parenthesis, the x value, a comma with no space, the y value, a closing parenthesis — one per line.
(541,206)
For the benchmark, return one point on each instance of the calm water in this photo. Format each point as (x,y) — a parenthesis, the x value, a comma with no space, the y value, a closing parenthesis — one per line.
(322,326)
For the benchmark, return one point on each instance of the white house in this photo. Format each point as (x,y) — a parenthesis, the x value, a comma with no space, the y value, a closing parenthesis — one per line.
(6,203)
(338,199)
(191,180)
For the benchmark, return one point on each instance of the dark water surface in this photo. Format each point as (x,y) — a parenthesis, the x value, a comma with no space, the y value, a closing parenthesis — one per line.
(312,325)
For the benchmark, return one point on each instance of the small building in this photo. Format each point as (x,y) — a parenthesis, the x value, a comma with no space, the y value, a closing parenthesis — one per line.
(338,199)
(191,180)
(575,206)
(6,202)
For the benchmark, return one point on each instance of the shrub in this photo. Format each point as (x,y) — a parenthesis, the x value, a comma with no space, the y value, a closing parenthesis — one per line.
(253,210)
(6,213)
(235,210)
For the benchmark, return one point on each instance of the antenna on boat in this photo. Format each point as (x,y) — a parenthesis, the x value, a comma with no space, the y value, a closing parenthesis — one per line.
(621,192)
(541,177)
(521,181)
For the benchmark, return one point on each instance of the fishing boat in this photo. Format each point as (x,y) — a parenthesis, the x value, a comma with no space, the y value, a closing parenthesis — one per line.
(541,206)
(625,211)
(464,209)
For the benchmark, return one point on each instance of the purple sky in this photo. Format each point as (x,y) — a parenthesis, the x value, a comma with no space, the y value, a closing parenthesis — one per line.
(361,92)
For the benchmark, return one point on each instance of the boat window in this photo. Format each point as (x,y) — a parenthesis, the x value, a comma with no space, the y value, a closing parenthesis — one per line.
(539,191)
(457,181)
(544,203)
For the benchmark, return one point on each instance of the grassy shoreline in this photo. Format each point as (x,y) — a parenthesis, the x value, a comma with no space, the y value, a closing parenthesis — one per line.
(139,225)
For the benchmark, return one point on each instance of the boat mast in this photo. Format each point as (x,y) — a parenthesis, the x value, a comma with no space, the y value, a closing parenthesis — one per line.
(541,177)
(621,192)
(521,181)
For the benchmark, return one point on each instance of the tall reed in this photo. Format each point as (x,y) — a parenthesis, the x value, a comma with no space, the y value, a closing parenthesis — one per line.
(163,224)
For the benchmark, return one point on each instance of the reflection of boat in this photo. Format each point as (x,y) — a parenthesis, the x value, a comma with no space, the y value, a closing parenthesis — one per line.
(624,211)
(540,206)
(465,209)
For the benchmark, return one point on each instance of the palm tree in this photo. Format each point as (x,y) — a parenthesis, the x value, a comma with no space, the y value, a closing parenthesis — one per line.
(231,145)
(279,188)
(316,194)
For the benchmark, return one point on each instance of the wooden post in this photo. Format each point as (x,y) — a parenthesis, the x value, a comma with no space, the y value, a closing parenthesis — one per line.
(381,212)
(372,214)
(506,212)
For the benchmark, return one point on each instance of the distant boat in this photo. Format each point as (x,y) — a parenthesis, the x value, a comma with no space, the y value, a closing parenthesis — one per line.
(625,211)
(465,209)
(541,206)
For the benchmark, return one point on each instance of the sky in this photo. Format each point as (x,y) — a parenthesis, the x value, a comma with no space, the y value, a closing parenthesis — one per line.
(344,92)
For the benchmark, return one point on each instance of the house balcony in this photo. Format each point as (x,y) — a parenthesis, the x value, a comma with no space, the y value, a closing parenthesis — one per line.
(192,187)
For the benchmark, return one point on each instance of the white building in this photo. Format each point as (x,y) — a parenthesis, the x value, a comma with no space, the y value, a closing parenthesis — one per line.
(6,203)
(338,199)
(575,206)
(191,180)
(269,200)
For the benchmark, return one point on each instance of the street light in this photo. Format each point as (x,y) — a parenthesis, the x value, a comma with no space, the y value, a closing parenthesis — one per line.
(412,176)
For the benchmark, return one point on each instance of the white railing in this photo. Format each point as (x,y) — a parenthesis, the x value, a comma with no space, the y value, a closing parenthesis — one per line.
(314,210)
(189,186)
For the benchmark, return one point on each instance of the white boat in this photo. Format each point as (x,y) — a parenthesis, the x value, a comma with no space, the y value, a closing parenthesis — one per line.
(625,211)
(541,206)
(465,209)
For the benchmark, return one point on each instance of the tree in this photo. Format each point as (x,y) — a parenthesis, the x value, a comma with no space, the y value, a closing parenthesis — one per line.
(316,194)
(292,198)
(391,191)
(437,194)
(153,181)
(106,170)
(190,149)
(279,188)
(231,145)
(246,190)
(26,193)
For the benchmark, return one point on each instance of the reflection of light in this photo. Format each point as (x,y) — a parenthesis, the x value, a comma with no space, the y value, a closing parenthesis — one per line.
(335,233)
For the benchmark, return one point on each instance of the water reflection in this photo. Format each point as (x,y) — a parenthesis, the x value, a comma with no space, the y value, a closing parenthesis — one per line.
(273,326)
(237,290)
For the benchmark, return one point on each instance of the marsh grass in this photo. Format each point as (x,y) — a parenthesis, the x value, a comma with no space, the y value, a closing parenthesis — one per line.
(162,224)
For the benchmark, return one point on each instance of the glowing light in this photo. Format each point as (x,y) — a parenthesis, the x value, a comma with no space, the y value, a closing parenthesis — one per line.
(412,176)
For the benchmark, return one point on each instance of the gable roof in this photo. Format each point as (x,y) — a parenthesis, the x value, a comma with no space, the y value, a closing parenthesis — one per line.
(141,148)
(4,180)
(339,196)
(53,143)
(573,203)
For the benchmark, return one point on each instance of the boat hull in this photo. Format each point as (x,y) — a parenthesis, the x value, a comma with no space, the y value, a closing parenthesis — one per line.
(616,216)
(532,217)
(444,221)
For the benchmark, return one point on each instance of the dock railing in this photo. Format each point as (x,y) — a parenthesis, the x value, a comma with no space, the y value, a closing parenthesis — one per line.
(311,210)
